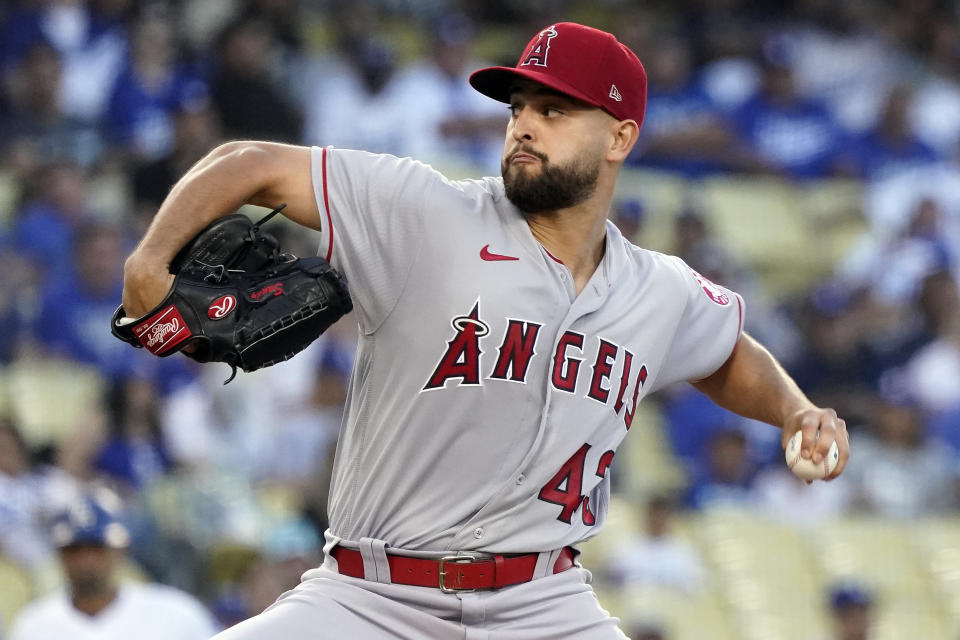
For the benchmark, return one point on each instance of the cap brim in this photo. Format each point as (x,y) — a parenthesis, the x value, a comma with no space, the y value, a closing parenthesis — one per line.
(495,82)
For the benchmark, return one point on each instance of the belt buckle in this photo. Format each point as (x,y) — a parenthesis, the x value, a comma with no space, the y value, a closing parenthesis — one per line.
(458,559)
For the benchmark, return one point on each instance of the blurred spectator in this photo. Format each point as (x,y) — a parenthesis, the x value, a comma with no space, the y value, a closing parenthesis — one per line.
(692,419)
(936,109)
(16,299)
(932,373)
(890,204)
(891,147)
(255,578)
(628,215)
(151,88)
(244,96)
(683,129)
(901,332)
(38,130)
(699,248)
(95,604)
(304,436)
(791,134)
(90,37)
(647,631)
(234,428)
(293,547)
(77,304)
(134,453)
(899,472)
(354,102)
(834,368)
(44,230)
(286,21)
(841,54)
(851,608)
(449,123)
(30,495)
(786,498)
(893,267)
(656,555)
(196,132)
(726,475)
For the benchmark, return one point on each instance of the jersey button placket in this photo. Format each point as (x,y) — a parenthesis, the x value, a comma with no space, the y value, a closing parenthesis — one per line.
(478,533)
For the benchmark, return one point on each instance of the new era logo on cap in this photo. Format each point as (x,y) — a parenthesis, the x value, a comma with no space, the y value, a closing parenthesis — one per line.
(580,61)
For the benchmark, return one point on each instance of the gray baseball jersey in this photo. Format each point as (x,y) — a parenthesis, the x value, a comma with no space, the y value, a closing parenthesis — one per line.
(488,399)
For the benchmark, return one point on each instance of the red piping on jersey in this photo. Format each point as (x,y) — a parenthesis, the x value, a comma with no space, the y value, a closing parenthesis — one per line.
(739,325)
(551,255)
(326,205)
(739,316)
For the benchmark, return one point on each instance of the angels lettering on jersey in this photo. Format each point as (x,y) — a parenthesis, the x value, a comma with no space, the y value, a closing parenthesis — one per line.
(618,386)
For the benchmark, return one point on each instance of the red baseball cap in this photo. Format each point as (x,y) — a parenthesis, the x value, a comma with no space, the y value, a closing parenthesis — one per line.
(579,61)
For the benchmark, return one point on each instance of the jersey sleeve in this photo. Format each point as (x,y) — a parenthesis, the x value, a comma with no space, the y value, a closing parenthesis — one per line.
(372,222)
(708,330)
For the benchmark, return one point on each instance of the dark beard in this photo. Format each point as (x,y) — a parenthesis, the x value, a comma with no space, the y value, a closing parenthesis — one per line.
(555,187)
(90,586)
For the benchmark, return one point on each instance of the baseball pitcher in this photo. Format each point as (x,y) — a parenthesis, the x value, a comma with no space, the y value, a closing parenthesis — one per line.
(508,333)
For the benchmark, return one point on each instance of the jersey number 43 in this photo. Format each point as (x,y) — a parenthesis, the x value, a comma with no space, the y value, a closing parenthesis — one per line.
(566,487)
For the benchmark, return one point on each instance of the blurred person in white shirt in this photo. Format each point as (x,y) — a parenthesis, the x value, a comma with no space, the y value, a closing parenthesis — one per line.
(95,605)
(656,555)
(901,472)
(29,497)
(451,125)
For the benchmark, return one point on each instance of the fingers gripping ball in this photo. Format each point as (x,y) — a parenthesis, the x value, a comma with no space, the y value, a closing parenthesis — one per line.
(805,468)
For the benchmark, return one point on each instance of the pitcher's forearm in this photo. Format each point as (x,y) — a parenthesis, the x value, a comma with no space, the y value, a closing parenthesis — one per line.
(228,177)
(753,384)
(237,173)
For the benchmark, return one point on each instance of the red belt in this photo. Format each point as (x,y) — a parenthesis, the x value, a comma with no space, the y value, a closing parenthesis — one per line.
(454,573)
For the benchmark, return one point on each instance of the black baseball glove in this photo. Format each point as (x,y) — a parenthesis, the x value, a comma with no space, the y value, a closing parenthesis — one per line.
(238,299)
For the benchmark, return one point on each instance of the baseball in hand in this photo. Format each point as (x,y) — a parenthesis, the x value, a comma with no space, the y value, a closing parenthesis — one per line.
(805,467)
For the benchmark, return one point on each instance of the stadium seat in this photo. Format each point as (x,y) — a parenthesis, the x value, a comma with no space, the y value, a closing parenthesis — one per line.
(645,463)
(835,218)
(875,552)
(16,590)
(750,556)
(762,223)
(663,196)
(683,616)
(9,195)
(49,397)
(937,541)
(906,623)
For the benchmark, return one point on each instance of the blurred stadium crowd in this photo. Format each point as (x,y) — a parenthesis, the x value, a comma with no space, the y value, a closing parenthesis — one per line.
(805,153)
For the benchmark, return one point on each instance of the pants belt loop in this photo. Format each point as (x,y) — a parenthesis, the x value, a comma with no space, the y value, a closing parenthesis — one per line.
(375,565)
(545,562)
(498,572)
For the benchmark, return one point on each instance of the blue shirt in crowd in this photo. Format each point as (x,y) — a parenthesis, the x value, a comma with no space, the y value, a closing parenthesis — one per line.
(802,139)
(672,111)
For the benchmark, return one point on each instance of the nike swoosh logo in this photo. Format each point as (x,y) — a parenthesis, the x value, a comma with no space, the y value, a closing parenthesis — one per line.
(486,255)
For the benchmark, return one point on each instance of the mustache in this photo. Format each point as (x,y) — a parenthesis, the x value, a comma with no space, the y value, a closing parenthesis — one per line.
(527,150)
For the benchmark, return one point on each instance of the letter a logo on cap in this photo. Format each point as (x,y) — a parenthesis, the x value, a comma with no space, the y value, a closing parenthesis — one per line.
(538,54)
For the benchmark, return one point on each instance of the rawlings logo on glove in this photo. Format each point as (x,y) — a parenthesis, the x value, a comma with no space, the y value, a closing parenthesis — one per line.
(237,299)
